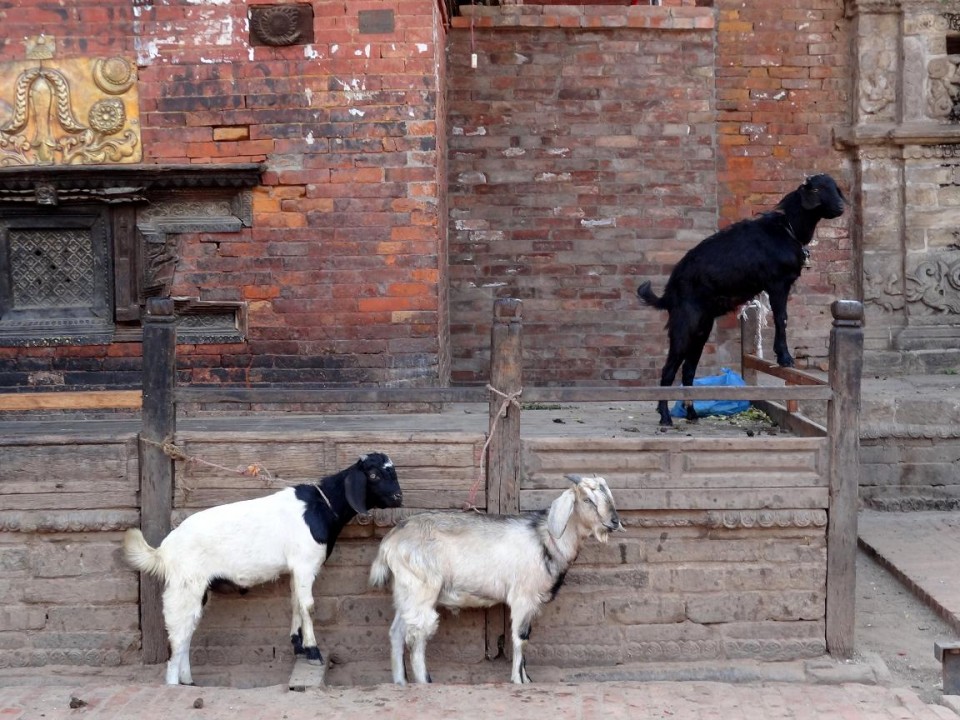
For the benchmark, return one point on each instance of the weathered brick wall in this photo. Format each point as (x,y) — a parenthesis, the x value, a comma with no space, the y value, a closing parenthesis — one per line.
(66,595)
(343,269)
(593,146)
(783,85)
(699,576)
(582,160)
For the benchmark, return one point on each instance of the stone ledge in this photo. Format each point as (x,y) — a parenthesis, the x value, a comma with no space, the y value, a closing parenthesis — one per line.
(585,17)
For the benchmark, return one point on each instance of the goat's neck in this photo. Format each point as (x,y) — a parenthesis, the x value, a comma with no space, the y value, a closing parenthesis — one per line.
(565,548)
(800,224)
(334,503)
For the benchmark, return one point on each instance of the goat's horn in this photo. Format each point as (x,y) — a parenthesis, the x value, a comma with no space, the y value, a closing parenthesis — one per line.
(575,479)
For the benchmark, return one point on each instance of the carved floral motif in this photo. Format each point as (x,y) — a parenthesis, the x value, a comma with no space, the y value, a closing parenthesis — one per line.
(935,282)
(882,290)
(43,125)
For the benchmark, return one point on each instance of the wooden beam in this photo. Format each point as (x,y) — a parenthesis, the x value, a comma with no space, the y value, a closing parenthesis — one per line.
(156,467)
(87,400)
(843,432)
(503,453)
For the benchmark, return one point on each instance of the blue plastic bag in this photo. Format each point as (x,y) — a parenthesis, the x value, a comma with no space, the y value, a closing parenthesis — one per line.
(715,407)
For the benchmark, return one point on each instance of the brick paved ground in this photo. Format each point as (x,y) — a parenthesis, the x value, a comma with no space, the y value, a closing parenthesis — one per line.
(610,701)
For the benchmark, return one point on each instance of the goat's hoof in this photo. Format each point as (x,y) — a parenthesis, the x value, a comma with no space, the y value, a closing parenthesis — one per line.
(313,655)
(297,642)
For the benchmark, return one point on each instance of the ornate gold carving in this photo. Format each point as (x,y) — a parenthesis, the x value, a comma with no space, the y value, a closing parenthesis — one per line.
(41,47)
(113,75)
(71,112)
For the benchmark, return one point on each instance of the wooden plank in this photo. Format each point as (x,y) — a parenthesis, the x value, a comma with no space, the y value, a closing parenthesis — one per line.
(701,481)
(697,499)
(71,500)
(63,463)
(671,444)
(696,392)
(87,400)
(793,422)
(352,396)
(322,396)
(790,375)
(843,424)
(431,499)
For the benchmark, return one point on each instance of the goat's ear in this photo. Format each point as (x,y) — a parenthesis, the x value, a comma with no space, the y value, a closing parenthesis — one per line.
(560,512)
(355,486)
(808,198)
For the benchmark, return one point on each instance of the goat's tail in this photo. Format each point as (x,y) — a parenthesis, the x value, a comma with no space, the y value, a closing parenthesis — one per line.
(141,555)
(645,293)
(380,572)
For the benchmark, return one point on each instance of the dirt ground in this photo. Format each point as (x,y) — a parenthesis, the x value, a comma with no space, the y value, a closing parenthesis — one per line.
(897,626)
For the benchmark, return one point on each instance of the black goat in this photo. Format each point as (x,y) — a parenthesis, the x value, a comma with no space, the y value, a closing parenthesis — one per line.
(734,265)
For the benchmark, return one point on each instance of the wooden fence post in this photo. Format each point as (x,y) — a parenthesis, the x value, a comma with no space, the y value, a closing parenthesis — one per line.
(749,339)
(843,433)
(503,451)
(158,416)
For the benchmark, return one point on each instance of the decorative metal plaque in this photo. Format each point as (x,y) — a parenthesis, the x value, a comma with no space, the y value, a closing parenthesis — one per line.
(82,111)
(280,25)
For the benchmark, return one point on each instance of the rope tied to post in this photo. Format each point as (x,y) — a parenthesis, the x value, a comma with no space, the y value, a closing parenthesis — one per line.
(175,452)
(508,400)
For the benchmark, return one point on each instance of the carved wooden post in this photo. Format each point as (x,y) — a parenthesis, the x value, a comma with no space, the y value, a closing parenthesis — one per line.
(843,433)
(159,419)
(503,452)
(749,339)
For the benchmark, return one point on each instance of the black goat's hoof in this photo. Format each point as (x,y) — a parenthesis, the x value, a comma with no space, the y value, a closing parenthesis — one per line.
(313,655)
(297,642)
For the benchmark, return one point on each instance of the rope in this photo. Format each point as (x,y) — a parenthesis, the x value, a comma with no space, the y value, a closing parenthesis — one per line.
(508,399)
(175,452)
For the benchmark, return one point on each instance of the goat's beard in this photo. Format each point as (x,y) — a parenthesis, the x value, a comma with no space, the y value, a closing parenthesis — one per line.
(601,534)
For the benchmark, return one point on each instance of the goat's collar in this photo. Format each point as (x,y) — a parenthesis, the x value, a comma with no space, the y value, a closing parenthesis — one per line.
(325,498)
(789,228)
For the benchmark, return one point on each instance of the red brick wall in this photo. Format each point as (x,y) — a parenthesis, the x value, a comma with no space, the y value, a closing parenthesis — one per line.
(590,148)
(593,146)
(343,270)
(784,79)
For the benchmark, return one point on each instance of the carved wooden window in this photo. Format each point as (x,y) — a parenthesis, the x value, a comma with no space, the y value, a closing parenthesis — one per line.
(55,276)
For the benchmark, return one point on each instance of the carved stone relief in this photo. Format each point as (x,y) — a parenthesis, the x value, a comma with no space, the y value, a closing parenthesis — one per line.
(69,112)
(878,76)
(935,282)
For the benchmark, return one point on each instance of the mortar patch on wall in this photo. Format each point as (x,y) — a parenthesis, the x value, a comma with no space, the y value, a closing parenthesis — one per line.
(69,112)
(281,25)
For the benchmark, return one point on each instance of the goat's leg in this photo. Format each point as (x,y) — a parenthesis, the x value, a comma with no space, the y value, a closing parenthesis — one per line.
(302,584)
(690,362)
(182,610)
(667,376)
(520,618)
(420,624)
(398,632)
(778,304)
(296,624)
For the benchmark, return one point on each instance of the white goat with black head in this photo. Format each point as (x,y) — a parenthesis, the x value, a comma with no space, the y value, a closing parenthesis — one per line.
(472,560)
(255,541)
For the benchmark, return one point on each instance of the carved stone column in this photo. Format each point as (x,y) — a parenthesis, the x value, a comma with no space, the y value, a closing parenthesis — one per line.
(905,141)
